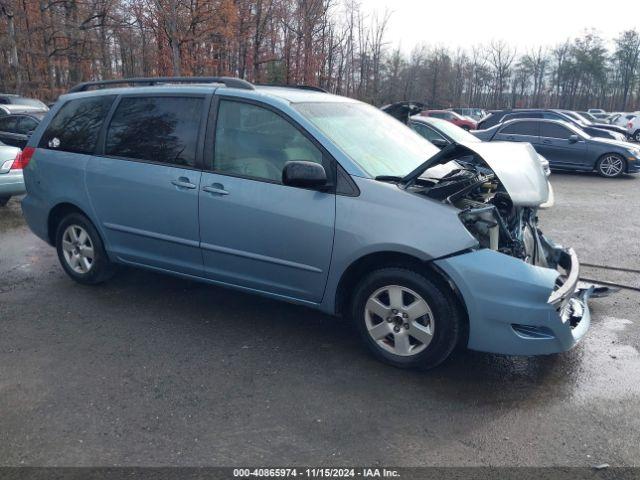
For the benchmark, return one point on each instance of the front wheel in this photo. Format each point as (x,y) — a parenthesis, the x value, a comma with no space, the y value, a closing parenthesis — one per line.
(81,251)
(611,165)
(405,319)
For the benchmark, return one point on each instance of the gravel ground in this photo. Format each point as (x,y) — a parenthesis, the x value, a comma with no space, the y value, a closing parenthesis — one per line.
(154,370)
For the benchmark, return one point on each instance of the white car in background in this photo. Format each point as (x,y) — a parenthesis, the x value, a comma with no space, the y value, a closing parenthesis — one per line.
(633,128)
(11,179)
(622,119)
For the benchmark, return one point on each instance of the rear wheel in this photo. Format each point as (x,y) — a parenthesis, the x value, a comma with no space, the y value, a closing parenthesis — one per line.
(4,201)
(405,319)
(81,251)
(611,165)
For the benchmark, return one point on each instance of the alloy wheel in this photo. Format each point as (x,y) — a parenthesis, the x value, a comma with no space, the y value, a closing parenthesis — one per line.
(399,320)
(77,248)
(611,166)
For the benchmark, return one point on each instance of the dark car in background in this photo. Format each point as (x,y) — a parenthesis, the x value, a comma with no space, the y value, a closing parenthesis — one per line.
(502,116)
(15,129)
(462,122)
(568,147)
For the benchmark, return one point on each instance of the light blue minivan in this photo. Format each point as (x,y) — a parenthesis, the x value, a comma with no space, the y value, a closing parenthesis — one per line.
(311,198)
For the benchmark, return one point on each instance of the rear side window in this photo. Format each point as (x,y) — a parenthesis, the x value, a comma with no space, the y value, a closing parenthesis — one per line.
(426,132)
(8,124)
(26,125)
(551,130)
(76,126)
(157,129)
(521,128)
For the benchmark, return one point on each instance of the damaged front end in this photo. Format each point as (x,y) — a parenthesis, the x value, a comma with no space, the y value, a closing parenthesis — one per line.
(520,289)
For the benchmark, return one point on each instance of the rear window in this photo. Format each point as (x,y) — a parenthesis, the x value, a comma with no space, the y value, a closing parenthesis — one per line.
(76,126)
(157,129)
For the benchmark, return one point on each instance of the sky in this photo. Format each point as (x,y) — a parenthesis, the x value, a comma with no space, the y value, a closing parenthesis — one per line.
(522,23)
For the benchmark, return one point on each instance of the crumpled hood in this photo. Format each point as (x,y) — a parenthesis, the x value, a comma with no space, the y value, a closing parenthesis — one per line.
(517,166)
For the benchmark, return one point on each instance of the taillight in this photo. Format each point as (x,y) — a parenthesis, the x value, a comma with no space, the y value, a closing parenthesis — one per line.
(629,125)
(23,158)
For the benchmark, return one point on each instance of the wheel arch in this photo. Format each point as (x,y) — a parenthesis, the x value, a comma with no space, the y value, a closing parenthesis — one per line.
(56,214)
(384,259)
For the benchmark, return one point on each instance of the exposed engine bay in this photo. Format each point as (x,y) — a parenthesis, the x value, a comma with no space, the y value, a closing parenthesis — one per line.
(498,188)
(488,212)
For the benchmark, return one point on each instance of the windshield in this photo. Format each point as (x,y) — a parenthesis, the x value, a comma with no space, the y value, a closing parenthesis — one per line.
(454,132)
(377,142)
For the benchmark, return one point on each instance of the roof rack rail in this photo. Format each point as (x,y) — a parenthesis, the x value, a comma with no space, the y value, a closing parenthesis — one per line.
(230,82)
(300,86)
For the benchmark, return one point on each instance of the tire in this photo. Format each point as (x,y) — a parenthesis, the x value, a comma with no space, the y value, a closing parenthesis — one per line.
(4,201)
(81,251)
(465,128)
(438,331)
(611,165)
(636,136)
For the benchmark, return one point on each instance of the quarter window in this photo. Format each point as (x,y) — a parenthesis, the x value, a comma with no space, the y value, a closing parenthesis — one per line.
(76,126)
(255,142)
(157,129)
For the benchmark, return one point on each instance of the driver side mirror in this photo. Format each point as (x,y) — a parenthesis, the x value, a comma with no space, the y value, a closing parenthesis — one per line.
(440,142)
(574,138)
(304,174)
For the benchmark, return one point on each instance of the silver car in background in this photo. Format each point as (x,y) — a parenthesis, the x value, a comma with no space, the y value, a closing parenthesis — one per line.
(11,180)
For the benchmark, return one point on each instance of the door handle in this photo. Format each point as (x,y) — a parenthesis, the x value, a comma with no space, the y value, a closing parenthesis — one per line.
(183,182)
(216,188)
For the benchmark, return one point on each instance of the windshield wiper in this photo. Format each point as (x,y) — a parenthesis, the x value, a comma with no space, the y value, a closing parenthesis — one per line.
(388,178)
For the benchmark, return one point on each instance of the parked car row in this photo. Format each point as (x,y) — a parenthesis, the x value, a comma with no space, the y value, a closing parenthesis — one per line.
(19,117)
(564,140)
(600,130)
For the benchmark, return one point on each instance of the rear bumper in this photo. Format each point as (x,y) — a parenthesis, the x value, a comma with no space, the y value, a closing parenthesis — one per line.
(518,309)
(11,183)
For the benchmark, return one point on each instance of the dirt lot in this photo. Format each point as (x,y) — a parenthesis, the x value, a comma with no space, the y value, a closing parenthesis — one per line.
(154,370)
